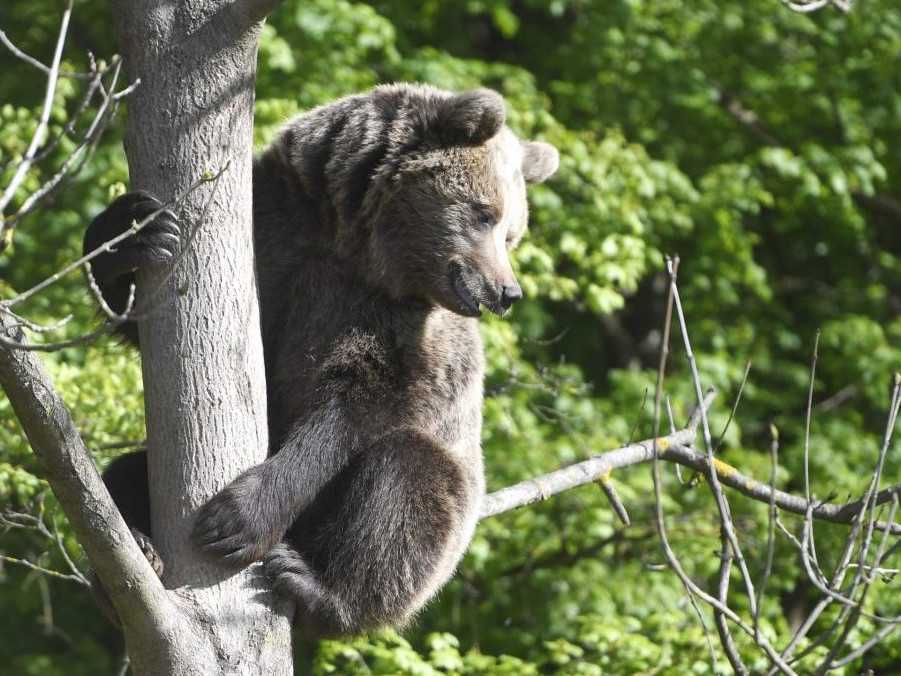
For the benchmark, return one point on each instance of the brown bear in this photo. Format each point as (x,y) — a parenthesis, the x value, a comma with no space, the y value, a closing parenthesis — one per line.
(382,225)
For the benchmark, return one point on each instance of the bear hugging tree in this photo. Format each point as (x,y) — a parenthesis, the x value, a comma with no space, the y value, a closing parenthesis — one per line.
(382,224)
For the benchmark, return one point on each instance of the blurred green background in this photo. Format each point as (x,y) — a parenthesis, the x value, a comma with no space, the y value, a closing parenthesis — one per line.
(759,144)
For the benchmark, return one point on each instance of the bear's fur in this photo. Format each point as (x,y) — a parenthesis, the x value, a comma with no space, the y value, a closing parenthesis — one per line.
(382,223)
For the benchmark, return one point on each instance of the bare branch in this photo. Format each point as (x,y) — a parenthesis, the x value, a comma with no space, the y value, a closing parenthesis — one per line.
(114,319)
(101,301)
(808,416)
(36,524)
(587,471)
(85,147)
(41,129)
(84,339)
(741,389)
(79,579)
(722,626)
(673,269)
(81,153)
(675,448)
(68,129)
(136,591)
(30,60)
(772,515)
(712,475)
(607,485)
(809,6)
(22,322)
(721,609)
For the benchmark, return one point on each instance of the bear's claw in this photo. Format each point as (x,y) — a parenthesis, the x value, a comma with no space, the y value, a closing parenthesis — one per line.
(226,527)
(150,553)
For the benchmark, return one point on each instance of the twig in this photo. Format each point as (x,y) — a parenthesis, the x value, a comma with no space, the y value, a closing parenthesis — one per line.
(655,471)
(837,399)
(149,296)
(41,129)
(81,153)
(719,619)
(78,579)
(115,319)
(741,389)
(772,515)
(106,246)
(68,130)
(96,521)
(865,647)
(672,426)
(37,524)
(587,471)
(101,301)
(30,60)
(860,575)
(712,474)
(605,481)
(891,625)
(809,6)
(859,511)
(22,322)
(700,415)
(640,417)
(808,416)
(84,339)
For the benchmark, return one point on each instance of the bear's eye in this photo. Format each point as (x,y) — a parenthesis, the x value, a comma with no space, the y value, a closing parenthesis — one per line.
(485,216)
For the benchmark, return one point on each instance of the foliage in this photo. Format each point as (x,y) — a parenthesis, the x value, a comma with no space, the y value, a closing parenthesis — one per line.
(755,142)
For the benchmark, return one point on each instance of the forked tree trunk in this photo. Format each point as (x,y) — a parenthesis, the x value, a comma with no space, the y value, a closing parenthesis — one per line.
(202,354)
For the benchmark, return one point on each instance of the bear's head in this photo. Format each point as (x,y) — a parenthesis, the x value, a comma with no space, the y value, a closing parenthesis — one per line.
(454,203)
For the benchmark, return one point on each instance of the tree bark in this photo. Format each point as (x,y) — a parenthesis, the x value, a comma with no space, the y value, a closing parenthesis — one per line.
(204,377)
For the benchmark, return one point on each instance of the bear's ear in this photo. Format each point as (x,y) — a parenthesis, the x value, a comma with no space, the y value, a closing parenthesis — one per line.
(471,118)
(539,161)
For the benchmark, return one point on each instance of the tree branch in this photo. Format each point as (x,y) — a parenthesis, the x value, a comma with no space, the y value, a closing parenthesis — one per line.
(675,448)
(41,129)
(809,6)
(136,592)
(588,471)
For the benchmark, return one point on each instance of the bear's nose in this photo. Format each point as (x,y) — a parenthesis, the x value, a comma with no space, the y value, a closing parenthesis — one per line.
(510,294)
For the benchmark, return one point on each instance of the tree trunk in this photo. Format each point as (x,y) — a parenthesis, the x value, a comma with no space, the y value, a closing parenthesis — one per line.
(203,361)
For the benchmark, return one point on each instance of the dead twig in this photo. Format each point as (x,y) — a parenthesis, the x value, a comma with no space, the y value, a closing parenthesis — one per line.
(41,129)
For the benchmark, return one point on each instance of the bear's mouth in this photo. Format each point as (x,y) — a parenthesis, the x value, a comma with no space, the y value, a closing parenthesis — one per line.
(469,304)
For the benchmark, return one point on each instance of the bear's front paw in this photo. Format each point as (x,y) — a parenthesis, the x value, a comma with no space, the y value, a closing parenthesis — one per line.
(159,240)
(232,525)
(156,243)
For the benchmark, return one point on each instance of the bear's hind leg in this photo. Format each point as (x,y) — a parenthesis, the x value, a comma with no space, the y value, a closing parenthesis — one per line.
(379,540)
(320,612)
(127,482)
